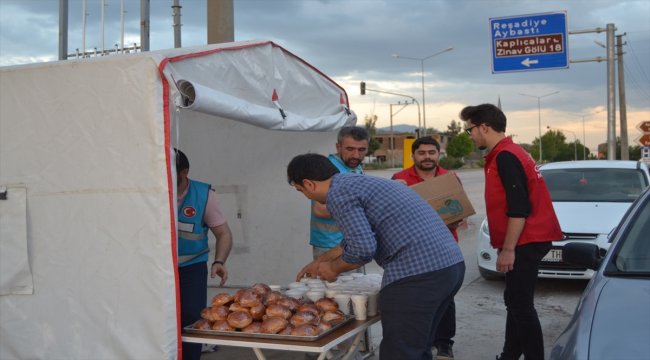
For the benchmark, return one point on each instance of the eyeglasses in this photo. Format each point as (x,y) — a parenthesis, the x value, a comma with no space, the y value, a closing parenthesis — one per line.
(469,129)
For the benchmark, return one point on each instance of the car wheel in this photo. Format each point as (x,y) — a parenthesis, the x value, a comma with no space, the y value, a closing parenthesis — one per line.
(490,275)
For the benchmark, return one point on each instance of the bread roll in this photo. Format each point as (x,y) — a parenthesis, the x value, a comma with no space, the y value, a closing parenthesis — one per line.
(309,307)
(305,330)
(222,325)
(214,313)
(287,330)
(277,310)
(247,298)
(289,302)
(332,316)
(254,327)
(323,327)
(237,307)
(327,304)
(261,289)
(304,317)
(273,325)
(258,311)
(239,319)
(221,299)
(272,298)
(202,324)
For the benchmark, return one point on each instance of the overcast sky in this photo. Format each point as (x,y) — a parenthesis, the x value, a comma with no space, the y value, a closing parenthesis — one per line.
(353,40)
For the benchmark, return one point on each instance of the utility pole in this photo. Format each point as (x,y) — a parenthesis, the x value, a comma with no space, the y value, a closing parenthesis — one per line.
(611,95)
(144,25)
(611,88)
(63,29)
(221,23)
(102,4)
(625,150)
(176,14)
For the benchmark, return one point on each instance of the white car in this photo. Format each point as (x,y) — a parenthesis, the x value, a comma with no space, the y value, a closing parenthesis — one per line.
(590,198)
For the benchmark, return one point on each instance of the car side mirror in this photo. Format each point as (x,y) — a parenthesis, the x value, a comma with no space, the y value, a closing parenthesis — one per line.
(581,254)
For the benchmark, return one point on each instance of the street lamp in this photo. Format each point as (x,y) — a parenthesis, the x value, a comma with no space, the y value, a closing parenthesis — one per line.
(363,89)
(539,117)
(575,141)
(584,139)
(421,60)
(392,132)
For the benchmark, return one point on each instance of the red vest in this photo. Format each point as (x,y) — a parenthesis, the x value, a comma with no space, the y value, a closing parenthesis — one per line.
(541,224)
(411,177)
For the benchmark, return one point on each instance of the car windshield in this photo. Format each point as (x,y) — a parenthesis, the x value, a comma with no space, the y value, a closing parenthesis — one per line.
(594,185)
(633,255)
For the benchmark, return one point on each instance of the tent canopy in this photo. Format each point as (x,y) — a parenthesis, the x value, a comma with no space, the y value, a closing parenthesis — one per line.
(87,202)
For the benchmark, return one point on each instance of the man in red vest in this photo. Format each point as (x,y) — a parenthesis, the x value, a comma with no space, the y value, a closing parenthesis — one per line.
(425,152)
(522,225)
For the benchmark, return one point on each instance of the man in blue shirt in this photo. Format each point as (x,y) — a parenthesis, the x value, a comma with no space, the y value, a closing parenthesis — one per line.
(351,148)
(386,221)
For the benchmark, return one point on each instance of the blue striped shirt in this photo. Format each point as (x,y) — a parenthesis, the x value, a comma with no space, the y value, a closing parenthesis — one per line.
(386,221)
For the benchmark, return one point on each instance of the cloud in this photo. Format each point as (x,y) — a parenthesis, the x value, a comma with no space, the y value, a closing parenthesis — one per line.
(352,41)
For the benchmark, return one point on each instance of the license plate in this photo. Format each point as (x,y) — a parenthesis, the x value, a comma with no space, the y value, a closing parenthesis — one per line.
(554,255)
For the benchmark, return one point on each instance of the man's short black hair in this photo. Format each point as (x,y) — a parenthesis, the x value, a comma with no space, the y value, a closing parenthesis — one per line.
(310,167)
(356,132)
(424,140)
(182,162)
(487,114)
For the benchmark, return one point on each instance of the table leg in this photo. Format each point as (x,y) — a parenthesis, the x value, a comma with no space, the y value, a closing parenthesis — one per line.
(259,354)
(355,344)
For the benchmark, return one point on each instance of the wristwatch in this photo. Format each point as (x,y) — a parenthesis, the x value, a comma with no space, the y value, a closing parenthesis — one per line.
(217,262)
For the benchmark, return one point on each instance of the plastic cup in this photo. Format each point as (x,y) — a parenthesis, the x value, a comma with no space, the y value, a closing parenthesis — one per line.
(315,295)
(295,293)
(360,306)
(297,284)
(331,293)
(373,302)
(311,282)
(344,302)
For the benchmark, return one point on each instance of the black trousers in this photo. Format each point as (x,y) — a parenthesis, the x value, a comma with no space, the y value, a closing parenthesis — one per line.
(447,327)
(523,330)
(193,281)
(411,309)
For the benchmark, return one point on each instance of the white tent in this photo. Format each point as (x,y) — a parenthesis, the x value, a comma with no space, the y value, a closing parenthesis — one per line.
(87,202)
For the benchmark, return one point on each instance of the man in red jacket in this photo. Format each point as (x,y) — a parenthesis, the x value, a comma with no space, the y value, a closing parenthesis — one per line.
(425,152)
(522,225)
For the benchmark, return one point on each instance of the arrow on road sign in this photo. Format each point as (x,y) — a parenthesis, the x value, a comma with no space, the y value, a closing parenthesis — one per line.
(527,62)
(644,140)
(644,126)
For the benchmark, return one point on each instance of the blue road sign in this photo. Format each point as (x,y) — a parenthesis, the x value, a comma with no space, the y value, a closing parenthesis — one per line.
(529,42)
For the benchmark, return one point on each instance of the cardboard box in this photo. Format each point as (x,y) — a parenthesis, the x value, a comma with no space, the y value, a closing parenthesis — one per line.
(445,194)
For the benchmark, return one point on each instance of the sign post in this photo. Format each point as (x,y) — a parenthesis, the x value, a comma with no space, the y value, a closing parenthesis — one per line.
(644,139)
(529,42)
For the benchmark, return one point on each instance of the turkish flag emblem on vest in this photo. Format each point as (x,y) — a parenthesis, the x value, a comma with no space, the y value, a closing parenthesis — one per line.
(189,211)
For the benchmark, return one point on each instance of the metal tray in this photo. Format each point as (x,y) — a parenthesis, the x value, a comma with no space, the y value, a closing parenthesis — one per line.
(191,330)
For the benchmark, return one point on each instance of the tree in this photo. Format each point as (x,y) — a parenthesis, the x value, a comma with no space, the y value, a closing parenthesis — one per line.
(454,128)
(555,148)
(370,123)
(460,145)
(634,151)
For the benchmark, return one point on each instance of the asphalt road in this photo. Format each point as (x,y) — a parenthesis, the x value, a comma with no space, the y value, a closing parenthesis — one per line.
(480,313)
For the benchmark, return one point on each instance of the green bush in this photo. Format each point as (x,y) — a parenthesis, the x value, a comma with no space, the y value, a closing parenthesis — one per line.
(450,162)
